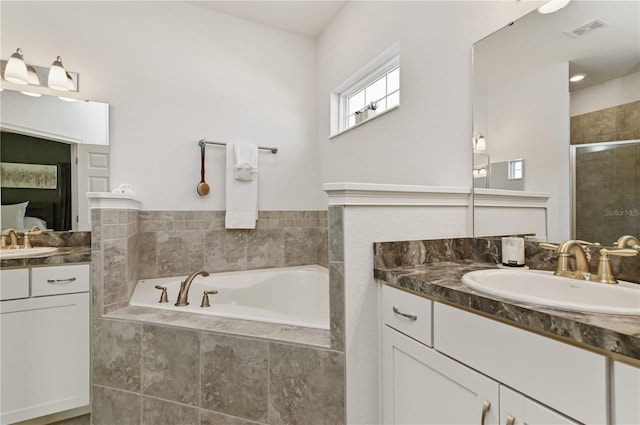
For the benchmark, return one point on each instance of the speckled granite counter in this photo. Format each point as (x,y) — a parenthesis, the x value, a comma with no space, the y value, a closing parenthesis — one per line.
(441,281)
(73,247)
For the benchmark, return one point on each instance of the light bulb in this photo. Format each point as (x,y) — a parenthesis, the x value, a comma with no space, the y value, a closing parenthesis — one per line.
(58,76)
(16,70)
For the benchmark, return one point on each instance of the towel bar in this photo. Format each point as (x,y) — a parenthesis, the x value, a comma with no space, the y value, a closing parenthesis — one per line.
(206,142)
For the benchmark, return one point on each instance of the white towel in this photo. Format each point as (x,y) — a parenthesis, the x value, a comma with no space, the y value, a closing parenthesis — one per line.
(246,167)
(241,196)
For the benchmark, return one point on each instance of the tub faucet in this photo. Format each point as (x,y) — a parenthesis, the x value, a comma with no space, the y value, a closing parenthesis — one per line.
(183,295)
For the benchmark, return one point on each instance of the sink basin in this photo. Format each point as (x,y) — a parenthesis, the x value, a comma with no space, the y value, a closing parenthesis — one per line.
(8,254)
(544,289)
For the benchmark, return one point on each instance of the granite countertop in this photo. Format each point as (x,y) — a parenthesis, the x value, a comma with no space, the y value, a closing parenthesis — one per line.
(64,255)
(441,281)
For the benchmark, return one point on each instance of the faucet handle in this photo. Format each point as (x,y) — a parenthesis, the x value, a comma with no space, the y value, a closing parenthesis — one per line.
(546,245)
(205,298)
(605,273)
(163,296)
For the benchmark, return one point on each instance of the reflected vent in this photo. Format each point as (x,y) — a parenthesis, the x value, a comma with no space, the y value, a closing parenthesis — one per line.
(588,28)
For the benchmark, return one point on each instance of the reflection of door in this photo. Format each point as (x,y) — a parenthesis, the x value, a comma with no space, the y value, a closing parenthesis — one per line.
(606,190)
(92,176)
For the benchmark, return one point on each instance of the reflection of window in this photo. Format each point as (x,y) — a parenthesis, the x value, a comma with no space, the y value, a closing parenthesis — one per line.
(369,92)
(516,169)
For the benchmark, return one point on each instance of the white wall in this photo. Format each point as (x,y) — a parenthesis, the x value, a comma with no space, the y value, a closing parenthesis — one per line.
(529,118)
(427,141)
(605,95)
(174,73)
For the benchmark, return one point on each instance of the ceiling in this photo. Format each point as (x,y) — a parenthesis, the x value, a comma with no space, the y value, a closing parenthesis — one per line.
(536,40)
(304,17)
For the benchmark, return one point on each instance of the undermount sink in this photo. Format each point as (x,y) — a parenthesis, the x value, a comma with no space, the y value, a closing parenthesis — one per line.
(8,254)
(542,288)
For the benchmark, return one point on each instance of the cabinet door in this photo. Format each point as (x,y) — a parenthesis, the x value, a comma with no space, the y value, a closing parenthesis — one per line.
(44,356)
(516,409)
(625,394)
(421,386)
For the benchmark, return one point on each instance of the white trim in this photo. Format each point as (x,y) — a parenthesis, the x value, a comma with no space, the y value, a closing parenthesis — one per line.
(112,201)
(510,198)
(373,194)
(393,108)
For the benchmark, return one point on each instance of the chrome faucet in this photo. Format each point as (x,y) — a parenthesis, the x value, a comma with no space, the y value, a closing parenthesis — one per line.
(565,249)
(183,295)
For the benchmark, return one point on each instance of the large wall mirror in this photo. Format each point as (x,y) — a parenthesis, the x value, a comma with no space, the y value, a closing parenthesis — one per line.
(53,152)
(538,136)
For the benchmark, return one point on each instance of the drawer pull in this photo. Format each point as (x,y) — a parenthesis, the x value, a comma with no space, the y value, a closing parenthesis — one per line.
(58,281)
(510,420)
(485,409)
(408,316)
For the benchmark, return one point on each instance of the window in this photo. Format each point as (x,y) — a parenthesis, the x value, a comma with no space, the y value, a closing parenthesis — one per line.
(372,91)
(516,169)
(377,96)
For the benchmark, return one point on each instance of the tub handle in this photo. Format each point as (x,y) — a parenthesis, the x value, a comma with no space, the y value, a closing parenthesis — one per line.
(205,297)
(163,296)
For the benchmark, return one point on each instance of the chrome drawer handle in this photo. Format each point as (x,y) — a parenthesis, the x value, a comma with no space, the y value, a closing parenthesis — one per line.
(57,281)
(408,316)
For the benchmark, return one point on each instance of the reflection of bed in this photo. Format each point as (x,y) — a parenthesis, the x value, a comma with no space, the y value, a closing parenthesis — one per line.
(44,211)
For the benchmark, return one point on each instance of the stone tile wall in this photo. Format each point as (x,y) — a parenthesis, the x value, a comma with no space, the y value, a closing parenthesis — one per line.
(620,122)
(175,243)
(114,258)
(149,374)
(152,374)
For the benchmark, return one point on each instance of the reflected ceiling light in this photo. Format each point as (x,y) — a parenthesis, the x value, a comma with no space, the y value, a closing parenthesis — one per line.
(553,6)
(58,76)
(577,77)
(33,80)
(16,70)
(479,142)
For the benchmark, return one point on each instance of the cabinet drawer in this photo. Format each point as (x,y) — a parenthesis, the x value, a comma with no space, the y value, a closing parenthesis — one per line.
(566,378)
(14,284)
(59,280)
(407,313)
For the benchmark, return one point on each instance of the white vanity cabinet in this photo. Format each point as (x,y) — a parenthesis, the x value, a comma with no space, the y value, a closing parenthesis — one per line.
(44,353)
(479,370)
(625,389)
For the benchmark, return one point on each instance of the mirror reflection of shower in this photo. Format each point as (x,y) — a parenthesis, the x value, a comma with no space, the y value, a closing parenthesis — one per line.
(606,190)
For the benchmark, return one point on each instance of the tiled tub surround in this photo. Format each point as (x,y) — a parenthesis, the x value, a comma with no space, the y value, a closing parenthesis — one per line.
(162,367)
(435,268)
(281,239)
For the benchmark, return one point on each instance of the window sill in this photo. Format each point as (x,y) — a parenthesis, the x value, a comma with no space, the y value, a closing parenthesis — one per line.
(341,132)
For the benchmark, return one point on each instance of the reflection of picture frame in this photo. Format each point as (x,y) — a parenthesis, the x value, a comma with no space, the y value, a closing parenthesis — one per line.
(29,176)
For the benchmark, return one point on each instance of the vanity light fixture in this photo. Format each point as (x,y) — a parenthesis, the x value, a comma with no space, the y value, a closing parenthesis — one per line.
(479,143)
(552,6)
(33,80)
(16,70)
(577,77)
(72,87)
(58,76)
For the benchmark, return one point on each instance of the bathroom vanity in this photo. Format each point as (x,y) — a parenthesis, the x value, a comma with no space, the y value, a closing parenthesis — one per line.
(44,321)
(452,355)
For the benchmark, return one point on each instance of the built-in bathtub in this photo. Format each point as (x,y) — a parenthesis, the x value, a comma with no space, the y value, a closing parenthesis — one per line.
(297,296)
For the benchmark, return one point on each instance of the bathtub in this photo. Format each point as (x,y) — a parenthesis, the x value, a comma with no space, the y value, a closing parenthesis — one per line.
(297,296)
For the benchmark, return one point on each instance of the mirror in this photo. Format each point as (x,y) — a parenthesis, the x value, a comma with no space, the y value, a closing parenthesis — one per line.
(526,109)
(52,153)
